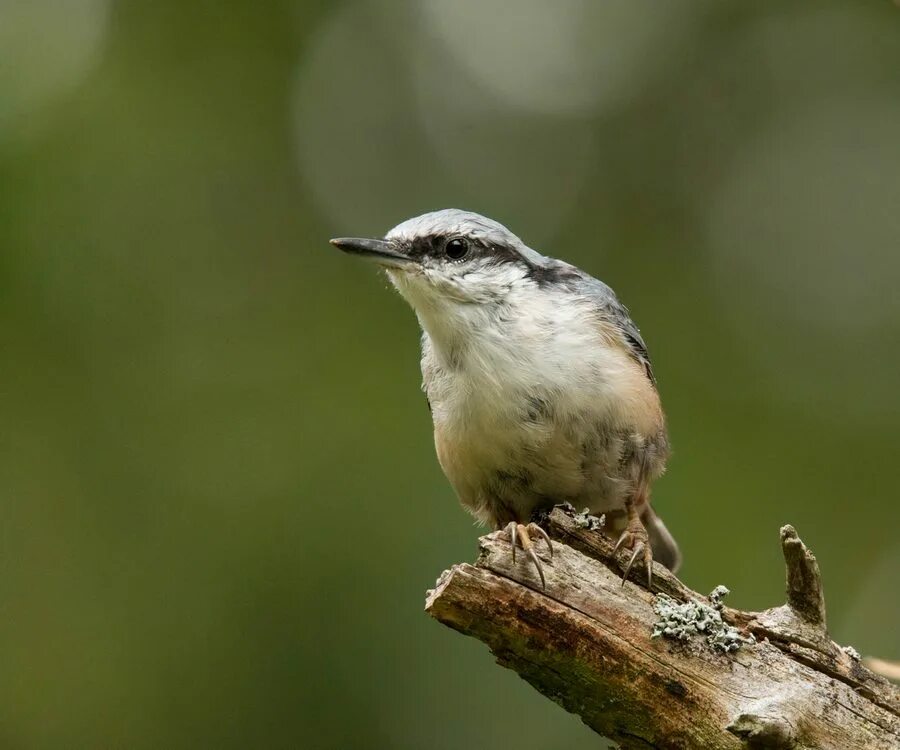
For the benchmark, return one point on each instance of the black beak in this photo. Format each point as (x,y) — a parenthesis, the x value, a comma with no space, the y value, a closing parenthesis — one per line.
(381,251)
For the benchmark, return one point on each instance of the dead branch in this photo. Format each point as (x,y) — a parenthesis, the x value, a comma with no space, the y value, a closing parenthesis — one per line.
(586,642)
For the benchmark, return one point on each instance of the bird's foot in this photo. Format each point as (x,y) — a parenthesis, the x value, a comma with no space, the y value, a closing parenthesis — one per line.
(636,539)
(519,534)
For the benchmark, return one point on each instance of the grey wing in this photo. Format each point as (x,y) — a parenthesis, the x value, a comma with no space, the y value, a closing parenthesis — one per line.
(638,348)
(617,313)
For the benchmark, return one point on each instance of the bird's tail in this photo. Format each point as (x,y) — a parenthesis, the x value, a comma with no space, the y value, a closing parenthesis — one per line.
(665,548)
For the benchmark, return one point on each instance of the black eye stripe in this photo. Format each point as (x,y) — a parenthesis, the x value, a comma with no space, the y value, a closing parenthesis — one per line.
(436,246)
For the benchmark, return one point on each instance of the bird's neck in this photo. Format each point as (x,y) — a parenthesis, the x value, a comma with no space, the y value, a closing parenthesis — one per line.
(463,334)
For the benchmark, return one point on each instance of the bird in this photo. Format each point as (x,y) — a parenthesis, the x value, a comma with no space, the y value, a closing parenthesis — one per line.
(539,384)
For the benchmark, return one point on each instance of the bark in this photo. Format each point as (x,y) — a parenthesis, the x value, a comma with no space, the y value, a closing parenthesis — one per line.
(586,642)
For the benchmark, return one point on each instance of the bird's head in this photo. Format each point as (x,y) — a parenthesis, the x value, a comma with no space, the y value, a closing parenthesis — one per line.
(451,258)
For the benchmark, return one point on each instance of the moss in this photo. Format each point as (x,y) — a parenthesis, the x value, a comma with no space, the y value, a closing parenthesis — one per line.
(683,621)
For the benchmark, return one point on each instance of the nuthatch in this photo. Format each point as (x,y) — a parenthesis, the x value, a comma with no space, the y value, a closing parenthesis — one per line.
(539,383)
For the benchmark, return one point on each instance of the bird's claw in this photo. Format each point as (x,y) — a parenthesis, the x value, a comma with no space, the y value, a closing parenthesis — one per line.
(635,538)
(519,534)
(543,534)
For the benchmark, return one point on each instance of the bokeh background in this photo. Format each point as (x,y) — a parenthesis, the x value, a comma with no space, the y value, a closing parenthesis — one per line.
(219,504)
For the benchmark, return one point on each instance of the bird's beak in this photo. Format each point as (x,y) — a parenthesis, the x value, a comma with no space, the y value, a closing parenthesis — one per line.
(381,251)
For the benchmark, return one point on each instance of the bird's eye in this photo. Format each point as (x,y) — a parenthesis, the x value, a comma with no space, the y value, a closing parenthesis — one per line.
(457,248)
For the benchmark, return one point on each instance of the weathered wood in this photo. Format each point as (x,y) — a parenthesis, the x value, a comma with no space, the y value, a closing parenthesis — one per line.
(586,642)
(804,582)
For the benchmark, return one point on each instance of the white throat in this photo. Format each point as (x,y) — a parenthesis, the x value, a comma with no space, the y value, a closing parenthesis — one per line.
(470,314)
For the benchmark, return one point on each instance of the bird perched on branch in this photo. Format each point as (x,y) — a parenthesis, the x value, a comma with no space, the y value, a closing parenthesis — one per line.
(539,383)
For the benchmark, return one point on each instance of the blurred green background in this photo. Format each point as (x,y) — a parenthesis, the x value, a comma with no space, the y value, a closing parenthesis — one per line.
(220,504)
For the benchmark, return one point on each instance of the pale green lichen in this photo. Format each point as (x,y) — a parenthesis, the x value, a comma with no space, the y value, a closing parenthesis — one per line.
(681,621)
(851,652)
(586,521)
(717,596)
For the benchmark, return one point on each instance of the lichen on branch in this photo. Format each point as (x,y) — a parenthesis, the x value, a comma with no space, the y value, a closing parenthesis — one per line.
(587,642)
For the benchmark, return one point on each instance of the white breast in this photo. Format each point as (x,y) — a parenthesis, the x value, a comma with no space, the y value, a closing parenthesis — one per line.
(522,385)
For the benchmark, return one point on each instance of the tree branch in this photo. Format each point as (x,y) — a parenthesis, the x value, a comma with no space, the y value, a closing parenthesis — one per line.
(586,642)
